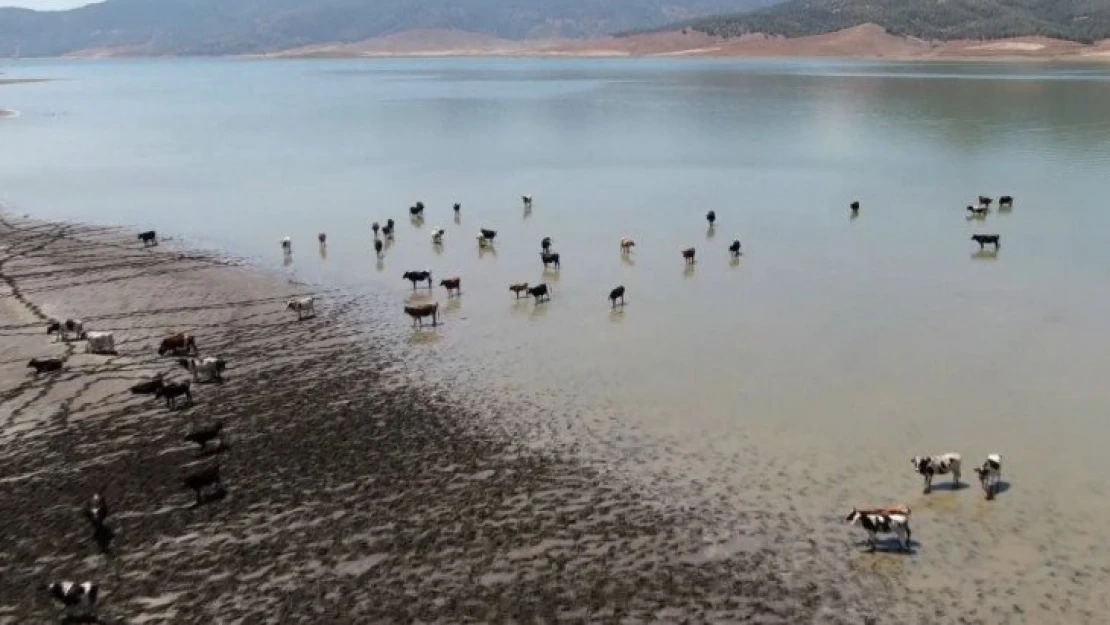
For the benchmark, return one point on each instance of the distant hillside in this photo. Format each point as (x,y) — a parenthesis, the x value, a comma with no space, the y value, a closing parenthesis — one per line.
(251,26)
(1074,20)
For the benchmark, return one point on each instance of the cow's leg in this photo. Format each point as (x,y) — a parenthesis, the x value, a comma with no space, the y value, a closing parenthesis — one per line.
(928,484)
(956,476)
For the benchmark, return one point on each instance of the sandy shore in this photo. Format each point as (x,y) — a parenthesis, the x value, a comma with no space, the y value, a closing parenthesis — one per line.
(353,496)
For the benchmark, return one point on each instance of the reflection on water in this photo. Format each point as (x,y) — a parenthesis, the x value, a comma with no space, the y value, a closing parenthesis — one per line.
(836,340)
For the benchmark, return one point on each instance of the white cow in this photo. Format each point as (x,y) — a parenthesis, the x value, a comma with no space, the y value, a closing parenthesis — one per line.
(205,369)
(305,306)
(100,343)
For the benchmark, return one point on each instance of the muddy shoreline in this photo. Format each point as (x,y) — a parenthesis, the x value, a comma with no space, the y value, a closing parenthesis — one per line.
(353,495)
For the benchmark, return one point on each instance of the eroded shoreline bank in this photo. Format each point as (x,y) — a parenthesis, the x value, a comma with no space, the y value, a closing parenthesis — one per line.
(353,495)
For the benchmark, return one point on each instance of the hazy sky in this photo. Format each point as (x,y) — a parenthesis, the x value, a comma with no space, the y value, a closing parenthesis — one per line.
(43,5)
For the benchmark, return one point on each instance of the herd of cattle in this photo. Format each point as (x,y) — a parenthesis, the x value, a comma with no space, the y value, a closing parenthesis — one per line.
(896,519)
(81,599)
(875,521)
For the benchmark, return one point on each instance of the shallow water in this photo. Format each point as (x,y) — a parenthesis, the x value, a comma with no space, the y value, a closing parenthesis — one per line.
(799,379)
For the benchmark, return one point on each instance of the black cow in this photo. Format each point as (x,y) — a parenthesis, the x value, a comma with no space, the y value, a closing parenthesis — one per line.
(42,365)
(986,239)
(418,276)
(615,294)
(540,292)
(148,238)
(172,390)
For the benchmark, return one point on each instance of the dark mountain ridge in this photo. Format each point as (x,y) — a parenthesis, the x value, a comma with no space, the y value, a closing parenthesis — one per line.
(213,27)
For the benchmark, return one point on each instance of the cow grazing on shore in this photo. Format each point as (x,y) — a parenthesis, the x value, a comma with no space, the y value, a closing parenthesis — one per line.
(96,510)
(389,228)
(417,210)
(100,343)
(854,206)
(876,523)
(304,307)
(80,597)
(688,255)
(1006,200)
(518,288)
(550,259)
(375,227)
(378,247)
(171,391)
(457,207)
(204,369)
(418,276)
(96,513)
(985,201)
(930,466)
(487,234)
(419,312)
(205,433)
(177,344)
(734,249)
(615,294)
(711,217)
(540,293)
(437,235)
(986,239)
(287,245)
(201,479)
(148,387)
(148,238)
(452,284)
(70,329)
(43,365)
(545,245)
(527,199)
(626,245)
(322,238)
(990,474)
(977,211)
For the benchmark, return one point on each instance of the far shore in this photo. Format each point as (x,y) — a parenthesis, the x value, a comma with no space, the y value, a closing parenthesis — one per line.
(865,42)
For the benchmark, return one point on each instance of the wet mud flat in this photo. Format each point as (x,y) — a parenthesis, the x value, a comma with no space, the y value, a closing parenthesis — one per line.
(352,495)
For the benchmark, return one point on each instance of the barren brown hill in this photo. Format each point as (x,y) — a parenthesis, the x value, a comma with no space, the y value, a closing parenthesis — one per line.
(867,41)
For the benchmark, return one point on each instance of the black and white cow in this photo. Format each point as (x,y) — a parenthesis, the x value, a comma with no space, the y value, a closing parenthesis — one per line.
(990,474)
(304,307)
(877,523)
(929,466)
(73,595)
(66,330)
